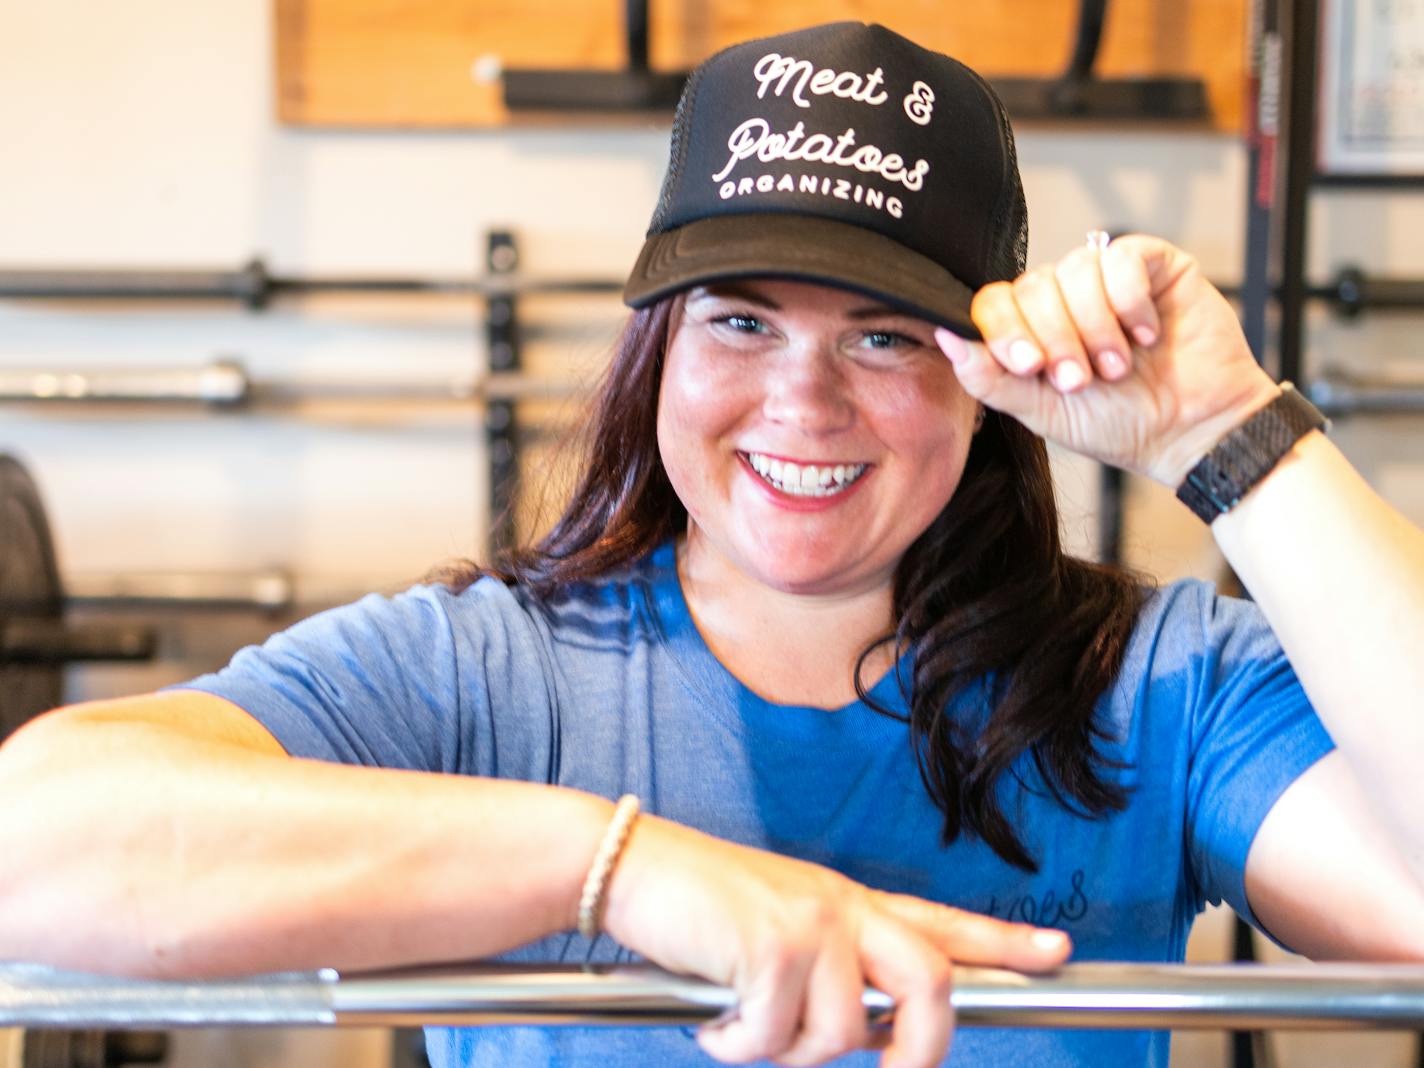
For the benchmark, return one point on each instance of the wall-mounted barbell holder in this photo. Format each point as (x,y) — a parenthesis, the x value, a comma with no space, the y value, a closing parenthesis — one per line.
(226,383)
(269,591)
(1088,995)
(255,287)
(1078,93)
(1340,393)
(1350,292)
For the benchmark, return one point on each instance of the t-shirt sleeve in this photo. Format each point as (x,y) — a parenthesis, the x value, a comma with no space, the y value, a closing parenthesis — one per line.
(1253,732)
(402,682)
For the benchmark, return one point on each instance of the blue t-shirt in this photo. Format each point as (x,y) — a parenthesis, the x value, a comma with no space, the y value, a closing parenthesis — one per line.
(609,687)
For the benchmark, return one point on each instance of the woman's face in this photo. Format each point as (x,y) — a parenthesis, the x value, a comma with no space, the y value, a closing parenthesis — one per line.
(812,433)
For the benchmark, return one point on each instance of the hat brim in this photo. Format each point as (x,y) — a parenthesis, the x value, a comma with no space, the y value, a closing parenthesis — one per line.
(805,248)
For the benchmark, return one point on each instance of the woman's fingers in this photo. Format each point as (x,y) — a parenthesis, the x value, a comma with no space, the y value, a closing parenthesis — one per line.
(1041,312)
(1075,320)
(919,978)
(1011,342)
(1080,278)
(769,1010)
(984,377)
(833,1016)
(1127,283)
(971,938)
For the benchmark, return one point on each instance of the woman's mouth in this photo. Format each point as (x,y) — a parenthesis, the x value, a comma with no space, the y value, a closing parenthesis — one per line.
(804,480)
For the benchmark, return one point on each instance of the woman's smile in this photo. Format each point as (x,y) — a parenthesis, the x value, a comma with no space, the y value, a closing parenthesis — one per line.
(805,479)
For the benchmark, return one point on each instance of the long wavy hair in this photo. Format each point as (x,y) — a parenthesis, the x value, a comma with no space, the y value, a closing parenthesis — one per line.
(985,593)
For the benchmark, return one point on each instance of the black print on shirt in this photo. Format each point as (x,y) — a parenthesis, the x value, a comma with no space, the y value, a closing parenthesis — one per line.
(1047,911)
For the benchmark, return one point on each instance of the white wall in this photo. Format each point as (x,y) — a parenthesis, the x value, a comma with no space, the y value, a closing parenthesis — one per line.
(142,134)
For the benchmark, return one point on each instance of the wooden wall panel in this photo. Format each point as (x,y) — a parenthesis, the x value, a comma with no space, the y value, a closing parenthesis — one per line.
(418,63)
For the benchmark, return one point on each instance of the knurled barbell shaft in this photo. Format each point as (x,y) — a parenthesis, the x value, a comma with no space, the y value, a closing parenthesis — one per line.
(1089,995)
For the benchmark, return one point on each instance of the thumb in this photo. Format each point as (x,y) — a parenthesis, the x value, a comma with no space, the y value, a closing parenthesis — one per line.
(985,379)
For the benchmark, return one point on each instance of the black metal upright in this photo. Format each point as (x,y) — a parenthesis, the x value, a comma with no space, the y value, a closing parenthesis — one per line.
(1091,16)
(502,335)
(1263,59)
(635,30)
(1302,31)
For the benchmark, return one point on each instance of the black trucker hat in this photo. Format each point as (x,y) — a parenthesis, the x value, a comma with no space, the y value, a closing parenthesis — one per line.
(843,154)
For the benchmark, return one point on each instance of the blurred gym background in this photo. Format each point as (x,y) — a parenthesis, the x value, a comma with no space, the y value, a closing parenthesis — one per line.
(330,191)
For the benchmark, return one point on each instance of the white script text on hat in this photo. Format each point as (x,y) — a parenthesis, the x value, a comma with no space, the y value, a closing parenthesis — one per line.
(754,138)
(844,84)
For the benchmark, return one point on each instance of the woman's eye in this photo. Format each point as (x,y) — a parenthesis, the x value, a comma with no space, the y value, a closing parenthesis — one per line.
(888,339)
(744,324)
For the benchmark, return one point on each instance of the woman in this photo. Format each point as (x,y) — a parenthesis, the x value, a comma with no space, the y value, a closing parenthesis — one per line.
(809,606)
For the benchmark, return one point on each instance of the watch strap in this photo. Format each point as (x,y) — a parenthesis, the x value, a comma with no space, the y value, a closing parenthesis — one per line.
(1248,454)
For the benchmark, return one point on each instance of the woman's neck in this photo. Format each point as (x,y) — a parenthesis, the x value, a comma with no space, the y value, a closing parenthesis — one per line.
(788,648)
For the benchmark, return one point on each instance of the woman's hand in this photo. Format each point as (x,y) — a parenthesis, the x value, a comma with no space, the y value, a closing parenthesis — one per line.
(1124,353)
(799,943)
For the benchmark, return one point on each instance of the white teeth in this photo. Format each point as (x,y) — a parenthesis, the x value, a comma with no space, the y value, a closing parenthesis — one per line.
(805,480)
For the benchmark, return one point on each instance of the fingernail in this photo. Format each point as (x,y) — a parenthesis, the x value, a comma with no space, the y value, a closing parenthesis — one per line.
(1068,376)
(1023,355)
(951,344)
(1113,363)
(1049,941)
(1144,335)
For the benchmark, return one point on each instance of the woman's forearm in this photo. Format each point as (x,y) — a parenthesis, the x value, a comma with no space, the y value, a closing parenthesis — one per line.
(1340,575)
(128,846)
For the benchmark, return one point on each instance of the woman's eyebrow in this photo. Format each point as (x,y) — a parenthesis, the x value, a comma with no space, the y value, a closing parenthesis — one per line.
(878,311)
(736,291)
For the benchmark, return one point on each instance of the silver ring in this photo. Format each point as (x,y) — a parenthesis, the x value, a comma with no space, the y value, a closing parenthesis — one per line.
(1098,239)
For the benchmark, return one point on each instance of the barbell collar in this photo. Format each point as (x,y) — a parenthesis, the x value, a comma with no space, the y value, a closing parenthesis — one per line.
(1089,995)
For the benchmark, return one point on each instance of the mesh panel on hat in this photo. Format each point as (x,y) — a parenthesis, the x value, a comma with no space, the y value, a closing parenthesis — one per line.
(1009,254)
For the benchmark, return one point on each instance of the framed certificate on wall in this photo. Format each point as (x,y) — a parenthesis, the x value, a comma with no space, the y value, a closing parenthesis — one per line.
(1372,88)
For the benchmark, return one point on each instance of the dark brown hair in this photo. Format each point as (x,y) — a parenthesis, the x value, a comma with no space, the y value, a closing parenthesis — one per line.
(985,593)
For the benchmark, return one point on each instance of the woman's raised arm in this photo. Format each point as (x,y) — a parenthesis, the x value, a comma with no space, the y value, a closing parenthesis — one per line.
(1337,571)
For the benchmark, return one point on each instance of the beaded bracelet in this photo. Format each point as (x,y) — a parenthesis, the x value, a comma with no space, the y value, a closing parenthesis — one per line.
(595,886)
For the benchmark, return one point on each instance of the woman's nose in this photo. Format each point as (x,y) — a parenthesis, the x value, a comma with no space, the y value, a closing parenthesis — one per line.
(805,391)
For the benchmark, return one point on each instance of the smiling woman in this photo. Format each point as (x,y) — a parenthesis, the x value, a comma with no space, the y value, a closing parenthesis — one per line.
(807,609)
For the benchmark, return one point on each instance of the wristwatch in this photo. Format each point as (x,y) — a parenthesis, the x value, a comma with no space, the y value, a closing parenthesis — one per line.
(1248,454)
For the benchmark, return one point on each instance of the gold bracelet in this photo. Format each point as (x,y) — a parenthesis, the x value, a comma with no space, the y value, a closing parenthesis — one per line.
(595,886)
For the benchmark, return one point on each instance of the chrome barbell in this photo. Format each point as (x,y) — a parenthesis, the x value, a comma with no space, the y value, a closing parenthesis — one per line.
(1088,995)
(226,383)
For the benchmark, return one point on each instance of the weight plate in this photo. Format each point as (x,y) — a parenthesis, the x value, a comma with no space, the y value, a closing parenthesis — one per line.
(64,1049)
(29,586)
